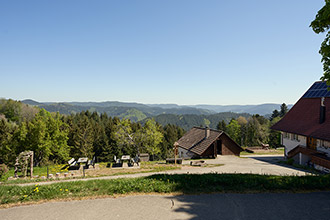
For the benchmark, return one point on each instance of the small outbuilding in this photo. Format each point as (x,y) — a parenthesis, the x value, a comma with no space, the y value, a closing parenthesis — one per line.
(206,143)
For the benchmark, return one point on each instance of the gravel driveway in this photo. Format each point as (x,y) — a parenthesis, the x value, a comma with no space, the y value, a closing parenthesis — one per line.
(257,164)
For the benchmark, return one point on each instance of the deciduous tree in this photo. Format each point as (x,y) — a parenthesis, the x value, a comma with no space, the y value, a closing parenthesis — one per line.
(321,24)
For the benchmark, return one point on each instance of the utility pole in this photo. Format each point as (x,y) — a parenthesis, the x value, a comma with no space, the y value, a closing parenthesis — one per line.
(31,164)
(175,151)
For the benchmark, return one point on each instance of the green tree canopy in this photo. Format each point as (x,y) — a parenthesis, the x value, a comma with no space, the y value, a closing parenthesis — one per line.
(124,136)
(284,110)
(47,136)
(321,24)
(82,137)
(7,151)
(150,137)
(234,130)
(222,126)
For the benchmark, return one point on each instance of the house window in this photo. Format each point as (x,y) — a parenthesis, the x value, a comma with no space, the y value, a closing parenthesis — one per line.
(286,135)
(323,144)
(294,137)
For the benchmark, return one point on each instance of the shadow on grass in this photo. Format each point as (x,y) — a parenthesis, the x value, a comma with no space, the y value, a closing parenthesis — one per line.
(241,183)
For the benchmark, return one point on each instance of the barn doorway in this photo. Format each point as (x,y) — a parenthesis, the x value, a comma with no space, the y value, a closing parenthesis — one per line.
(219,147)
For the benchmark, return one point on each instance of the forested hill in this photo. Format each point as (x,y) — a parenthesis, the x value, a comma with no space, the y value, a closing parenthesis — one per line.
(133,111)
(188,121)
(137,112)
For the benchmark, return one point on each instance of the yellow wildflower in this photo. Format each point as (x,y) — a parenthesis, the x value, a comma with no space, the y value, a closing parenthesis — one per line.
(25,196)
(66,190)
(60,189)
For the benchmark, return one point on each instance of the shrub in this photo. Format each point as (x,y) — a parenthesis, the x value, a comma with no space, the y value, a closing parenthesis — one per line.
(290,161)
(3,171)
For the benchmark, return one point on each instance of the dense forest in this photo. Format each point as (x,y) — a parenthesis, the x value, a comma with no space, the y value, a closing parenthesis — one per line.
(188,121)
(55,137)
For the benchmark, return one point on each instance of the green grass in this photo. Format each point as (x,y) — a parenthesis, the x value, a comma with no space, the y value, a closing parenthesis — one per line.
(163,183)
(42,170)
(270,152)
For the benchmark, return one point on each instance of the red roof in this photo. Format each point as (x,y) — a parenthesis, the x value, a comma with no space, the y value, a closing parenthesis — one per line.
(303,119)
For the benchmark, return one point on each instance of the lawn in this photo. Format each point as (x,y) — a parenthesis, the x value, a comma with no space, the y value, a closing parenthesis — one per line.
(164,183)
(265,152)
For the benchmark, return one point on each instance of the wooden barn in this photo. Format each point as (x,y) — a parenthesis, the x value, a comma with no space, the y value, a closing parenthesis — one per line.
(206,143)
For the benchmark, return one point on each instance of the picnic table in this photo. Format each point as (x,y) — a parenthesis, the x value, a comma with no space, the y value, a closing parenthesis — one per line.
(125,159)
(82,160)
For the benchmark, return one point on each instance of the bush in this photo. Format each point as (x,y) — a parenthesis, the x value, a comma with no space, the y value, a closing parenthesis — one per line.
(290,161)
(3,171)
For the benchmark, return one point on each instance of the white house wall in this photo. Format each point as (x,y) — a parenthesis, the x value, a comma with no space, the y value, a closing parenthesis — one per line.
(290,144)
(325,148)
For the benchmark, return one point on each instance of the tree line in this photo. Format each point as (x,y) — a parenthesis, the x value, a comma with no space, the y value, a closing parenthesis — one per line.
(55,138)
(255,130)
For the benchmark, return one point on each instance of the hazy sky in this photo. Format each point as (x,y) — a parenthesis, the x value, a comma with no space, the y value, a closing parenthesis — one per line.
(159,51)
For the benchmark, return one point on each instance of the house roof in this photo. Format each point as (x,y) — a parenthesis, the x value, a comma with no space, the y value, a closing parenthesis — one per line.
(303,117)
(195,141)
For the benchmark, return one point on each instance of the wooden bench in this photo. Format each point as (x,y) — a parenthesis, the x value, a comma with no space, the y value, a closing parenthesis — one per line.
(197,163)
(172,160)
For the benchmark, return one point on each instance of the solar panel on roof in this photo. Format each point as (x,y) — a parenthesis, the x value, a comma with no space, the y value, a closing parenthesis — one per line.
(317,90)
(323,85)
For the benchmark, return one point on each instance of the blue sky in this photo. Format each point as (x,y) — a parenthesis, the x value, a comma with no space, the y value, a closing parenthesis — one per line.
(171,51)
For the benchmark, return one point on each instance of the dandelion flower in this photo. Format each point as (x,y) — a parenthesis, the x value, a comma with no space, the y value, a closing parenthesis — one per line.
(25,196)
(66,190)
(60,189)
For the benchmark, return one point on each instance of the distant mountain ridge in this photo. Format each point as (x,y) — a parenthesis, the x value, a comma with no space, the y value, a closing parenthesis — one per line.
(261,109)
(138,111)
(133,111)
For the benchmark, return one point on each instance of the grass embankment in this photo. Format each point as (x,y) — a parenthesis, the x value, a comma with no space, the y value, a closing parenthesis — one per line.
(163,183)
